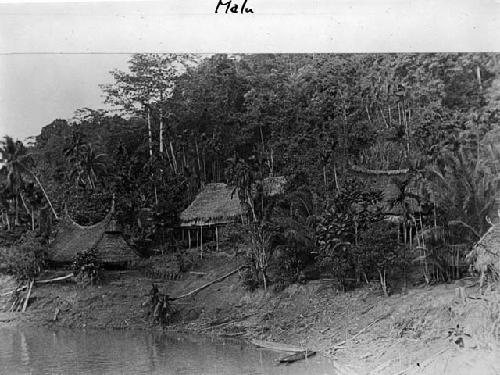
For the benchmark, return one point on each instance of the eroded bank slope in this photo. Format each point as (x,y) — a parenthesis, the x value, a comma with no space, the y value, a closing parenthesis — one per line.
(373,334)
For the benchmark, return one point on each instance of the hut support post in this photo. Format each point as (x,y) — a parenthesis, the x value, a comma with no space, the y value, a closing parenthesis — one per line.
(201,241)
(189,238)
(217,238)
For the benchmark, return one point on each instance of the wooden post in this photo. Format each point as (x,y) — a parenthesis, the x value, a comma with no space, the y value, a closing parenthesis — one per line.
(201,241)
(28,294)
(189,238)
(460,294)
(217,238)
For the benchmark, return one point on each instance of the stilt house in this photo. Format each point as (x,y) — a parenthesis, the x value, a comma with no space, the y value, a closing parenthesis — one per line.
(217,205)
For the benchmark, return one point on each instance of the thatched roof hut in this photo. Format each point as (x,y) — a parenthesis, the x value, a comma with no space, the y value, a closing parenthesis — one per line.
(485,255)
(217,203)
(73,238)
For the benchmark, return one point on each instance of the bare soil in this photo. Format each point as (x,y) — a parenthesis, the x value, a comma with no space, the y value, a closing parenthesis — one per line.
(427,330)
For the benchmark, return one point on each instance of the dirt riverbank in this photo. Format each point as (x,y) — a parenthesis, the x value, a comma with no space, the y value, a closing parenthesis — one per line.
(417,332)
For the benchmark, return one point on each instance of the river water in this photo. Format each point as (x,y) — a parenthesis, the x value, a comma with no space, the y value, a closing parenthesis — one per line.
(65,351)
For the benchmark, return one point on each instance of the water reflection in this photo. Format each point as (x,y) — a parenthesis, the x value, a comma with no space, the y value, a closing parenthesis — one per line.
(64,351)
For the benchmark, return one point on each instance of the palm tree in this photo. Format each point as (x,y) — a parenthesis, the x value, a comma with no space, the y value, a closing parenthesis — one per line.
(464,189)
(18,166)
(87,165)
(16,162)
(93,165)
(76,146)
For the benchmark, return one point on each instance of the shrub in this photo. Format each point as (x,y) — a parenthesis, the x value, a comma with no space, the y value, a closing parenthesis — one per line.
(289,263)
(340,229)
(379,253)
(25,260)
(338,259)
(250,279)
(86,267)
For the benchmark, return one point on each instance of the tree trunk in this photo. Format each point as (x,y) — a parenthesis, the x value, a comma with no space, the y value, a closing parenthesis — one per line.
(399,114)
(355,232)
(208,284)
(28,211)
(170,163)
(174,161)
(335,177)
(272,162)
(45,194)
(404,252)
(383,118)
(198,156)
(344,112)
(8,220)
(383,283)
(16,217)
(407,131)
(478,134)
(435,215)
(204,160)
(150,134)
(161,131)
(368,114)
(216,238)
(411,236)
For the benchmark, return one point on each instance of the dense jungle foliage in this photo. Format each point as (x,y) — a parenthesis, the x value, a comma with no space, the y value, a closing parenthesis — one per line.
(391,159)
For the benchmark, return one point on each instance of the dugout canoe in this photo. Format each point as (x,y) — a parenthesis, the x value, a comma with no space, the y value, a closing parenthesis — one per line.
(297,356)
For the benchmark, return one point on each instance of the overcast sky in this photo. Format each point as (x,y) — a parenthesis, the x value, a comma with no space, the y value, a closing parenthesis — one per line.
(36,89)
